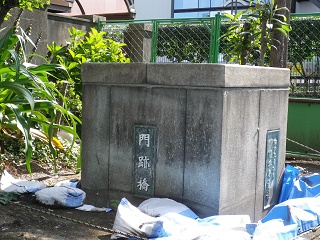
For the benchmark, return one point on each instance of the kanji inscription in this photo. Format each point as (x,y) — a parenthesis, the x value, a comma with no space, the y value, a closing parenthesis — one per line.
(144,160)
(271,169)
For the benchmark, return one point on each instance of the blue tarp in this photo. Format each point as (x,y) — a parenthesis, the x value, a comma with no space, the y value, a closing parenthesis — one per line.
(299,202)
(296,186)
(298,211)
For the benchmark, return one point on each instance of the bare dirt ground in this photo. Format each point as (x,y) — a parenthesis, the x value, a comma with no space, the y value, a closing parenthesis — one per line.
(27,219)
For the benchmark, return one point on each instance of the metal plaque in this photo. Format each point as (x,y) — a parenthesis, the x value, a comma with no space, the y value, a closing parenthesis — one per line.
(271,169)
(144,160)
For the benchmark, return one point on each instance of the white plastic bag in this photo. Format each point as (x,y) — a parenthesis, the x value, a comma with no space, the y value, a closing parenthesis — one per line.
(11,184)
(157,207)
(131,220)
(61,196)
(275,230)
(174,226)
(67,183)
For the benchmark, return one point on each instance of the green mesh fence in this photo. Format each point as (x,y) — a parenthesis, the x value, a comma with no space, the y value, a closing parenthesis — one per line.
(167,40)
(203,40)
(303,55)
(184,42)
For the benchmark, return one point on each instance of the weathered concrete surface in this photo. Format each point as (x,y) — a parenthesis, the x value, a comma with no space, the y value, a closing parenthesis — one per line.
(58,26)
(211,142)
(34,22)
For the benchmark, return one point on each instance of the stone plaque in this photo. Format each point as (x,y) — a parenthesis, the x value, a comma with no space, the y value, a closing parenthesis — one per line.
(270,181)
(144,160)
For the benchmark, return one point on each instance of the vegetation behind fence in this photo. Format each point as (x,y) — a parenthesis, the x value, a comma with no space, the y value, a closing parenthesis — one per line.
(205,40)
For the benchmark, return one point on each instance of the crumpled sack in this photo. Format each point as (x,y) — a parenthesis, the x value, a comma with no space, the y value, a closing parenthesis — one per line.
(61,196)
(10,184)
(157,207)
(220,227)
(131,220)
(67,183)
(174,226)
(275,229)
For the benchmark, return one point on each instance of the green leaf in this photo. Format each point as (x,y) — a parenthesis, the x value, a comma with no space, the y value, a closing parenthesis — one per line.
(23,126)
(20,90)
(228,15)
(5,39)
(47,68)
(284,32)
(16,59)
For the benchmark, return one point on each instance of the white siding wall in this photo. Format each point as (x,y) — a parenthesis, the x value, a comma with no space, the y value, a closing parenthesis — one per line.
(306,7)
(153,9)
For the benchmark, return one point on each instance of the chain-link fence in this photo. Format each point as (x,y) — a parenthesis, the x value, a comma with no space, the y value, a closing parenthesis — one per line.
(304,55)
(202,40)
(167,40)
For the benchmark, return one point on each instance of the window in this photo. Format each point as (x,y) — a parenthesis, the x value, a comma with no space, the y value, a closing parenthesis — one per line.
(206,8)
(192,15)
(184,4)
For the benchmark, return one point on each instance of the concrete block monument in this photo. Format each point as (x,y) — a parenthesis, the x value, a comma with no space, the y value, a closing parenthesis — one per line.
(211,136)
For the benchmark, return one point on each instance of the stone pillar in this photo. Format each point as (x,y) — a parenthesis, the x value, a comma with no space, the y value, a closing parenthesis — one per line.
(138,38)
(219,133)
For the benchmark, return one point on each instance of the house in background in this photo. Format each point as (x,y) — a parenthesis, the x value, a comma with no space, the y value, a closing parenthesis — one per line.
(110,9)
(155,9)
(305,6)
(162,9)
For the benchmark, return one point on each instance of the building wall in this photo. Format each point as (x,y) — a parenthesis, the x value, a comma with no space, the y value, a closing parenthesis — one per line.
(99,7)
(153,9)
(47,28)
(58,27)
(306,7)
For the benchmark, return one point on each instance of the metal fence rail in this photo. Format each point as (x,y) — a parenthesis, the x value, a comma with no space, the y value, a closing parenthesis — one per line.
(167,40)
(201,40)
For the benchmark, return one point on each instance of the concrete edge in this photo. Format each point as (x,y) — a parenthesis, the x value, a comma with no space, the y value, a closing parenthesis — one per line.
(191,75)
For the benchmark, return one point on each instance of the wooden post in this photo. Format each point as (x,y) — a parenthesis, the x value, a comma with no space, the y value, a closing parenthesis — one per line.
(279,53)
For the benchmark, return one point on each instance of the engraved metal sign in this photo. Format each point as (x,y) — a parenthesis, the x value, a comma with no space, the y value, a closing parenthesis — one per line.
(144,160)
(271,169)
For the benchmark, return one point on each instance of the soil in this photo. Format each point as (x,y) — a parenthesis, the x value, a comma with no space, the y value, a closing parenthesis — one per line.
(27,219)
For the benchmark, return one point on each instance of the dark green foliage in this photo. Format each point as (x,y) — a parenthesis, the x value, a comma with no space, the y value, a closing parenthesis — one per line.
(184,42)
(28,105)
(83,47)
(304,56)
(244,40)
(5,197)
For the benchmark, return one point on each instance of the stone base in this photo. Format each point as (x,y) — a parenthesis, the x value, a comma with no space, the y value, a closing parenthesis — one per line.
(211,121)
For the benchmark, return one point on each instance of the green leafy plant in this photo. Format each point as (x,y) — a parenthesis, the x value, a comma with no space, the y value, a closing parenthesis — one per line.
(239,40)
(82,47)
(85,47)
(28,104)
(254,33)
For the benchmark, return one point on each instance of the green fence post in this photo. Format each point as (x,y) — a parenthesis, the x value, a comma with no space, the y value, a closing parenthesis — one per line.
(99,25)
(214,39)
(211,47)
(154,42)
